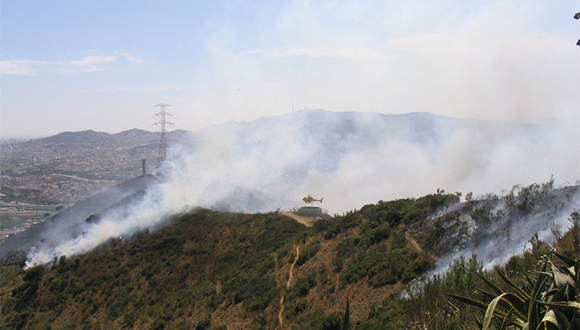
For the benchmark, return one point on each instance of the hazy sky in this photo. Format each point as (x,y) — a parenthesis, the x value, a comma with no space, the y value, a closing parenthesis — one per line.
(103,65)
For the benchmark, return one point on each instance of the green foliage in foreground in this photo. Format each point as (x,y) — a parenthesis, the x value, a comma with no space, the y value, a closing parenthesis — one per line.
(548,299)
(551,304)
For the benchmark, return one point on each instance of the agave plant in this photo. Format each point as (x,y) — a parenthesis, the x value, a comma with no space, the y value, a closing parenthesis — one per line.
(552,304)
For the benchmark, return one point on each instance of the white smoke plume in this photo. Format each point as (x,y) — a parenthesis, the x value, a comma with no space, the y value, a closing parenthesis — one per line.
(511,232)
(350,159)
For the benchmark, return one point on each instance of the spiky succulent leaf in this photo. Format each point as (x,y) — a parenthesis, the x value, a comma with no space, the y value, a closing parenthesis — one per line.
(485,292)
(492,310)
(577,272)
(569,262)
(514,286)
(530,281)
(510,301)
(505,322)
(535,310)
(549,322)
(494,287)
(561,278)
(562,319)
(565,286)
(568,305)
(472,302)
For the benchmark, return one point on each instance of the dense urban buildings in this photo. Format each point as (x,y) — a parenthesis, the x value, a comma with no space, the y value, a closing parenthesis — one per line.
(39,177)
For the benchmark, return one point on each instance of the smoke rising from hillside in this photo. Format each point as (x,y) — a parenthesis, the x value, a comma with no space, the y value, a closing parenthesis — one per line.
(512,233)
(350,159)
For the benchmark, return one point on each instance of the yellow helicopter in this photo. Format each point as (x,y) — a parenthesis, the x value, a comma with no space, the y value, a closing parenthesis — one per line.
(309,199)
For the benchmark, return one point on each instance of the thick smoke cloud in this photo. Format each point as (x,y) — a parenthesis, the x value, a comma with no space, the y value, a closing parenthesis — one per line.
(350,159)
(354,159)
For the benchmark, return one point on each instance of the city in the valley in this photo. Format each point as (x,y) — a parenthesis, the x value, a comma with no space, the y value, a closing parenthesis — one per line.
(41,177)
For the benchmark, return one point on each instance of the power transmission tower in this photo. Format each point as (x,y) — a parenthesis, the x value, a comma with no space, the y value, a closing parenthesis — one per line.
(162,114)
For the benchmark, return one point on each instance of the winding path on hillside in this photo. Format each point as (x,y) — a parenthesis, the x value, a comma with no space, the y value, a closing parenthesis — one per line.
(290,276)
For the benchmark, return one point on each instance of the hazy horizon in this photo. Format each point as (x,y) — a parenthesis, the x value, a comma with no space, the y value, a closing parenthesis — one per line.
(154,129)
(72,66)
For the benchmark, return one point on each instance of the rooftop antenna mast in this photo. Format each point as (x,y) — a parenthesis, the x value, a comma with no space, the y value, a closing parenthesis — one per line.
(162,114)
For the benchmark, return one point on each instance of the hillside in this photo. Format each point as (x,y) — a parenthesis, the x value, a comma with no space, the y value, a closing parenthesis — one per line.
(241,271)
(232,268)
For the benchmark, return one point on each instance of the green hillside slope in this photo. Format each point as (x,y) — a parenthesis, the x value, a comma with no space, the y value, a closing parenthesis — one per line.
(214,270)
(230,268)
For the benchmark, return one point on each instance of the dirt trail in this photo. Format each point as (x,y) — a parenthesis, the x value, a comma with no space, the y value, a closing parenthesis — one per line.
(290,276)
(291,271)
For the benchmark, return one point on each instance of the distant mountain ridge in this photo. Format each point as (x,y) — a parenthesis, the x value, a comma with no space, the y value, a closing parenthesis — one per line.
(128,138)
(133,136)
(415,126)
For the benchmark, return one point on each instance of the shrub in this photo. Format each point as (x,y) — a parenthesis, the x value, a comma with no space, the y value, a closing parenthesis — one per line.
(304,285)
(299,307)
(310,250)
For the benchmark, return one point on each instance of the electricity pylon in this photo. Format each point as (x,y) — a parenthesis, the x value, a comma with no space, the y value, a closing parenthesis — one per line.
(162,114)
